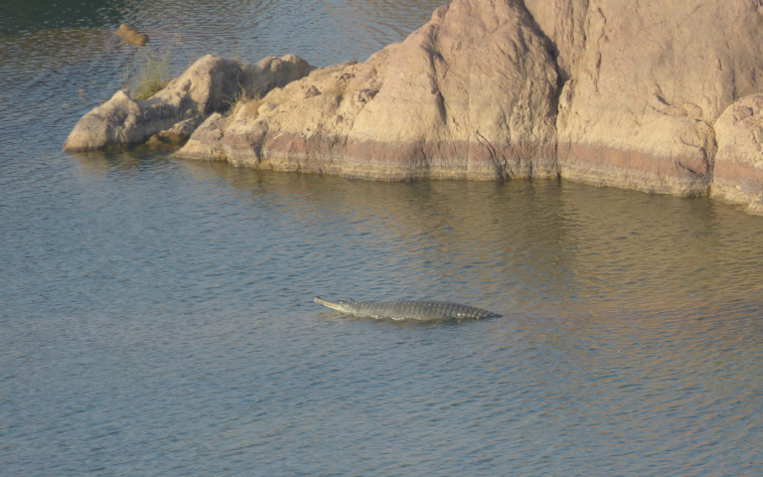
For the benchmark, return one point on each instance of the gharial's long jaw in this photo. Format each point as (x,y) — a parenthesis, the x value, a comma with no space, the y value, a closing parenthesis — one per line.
(339,306)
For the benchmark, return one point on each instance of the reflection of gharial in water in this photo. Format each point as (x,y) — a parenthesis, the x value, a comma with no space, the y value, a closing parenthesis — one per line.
(422,310)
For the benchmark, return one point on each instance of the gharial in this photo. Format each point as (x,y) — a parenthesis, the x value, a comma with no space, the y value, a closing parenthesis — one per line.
(421,310)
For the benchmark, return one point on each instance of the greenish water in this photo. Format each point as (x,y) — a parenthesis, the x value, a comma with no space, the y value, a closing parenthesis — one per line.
(156,314)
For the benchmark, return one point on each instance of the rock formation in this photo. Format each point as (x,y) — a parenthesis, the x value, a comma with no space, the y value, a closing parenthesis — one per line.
(738,174)
(656,96)
(209,85)
(647,81)
(470,95)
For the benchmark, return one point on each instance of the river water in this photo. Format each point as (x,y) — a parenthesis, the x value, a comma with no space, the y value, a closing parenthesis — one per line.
(156,314)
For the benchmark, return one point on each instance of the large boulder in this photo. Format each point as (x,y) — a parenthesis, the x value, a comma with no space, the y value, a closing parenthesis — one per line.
(646,82)
(210,85)
(738,175)
(470,95)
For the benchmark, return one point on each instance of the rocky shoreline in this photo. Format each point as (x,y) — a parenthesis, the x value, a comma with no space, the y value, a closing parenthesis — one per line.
(663,98)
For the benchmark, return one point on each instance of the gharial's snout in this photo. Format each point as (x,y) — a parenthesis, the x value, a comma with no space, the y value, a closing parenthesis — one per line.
(339,305)
(327,303)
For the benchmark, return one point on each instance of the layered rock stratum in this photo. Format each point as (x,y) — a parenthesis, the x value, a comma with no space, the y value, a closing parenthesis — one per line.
(661,96)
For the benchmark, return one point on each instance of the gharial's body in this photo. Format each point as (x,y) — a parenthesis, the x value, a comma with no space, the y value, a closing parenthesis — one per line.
(423,310)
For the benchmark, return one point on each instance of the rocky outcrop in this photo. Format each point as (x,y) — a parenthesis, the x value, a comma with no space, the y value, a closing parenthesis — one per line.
(646,82)
(738,175)
(470,95)
(655,96)
(210,85)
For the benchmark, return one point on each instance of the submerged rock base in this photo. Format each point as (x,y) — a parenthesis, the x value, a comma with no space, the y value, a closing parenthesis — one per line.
(606,92)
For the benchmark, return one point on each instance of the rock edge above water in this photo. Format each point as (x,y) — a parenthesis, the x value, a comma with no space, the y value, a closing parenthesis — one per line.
(664,97)
(210,85)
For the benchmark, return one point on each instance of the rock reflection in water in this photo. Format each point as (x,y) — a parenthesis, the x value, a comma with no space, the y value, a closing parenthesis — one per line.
(613,248)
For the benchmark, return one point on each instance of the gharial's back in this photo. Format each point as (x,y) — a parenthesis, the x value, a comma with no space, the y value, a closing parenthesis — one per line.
(424,310)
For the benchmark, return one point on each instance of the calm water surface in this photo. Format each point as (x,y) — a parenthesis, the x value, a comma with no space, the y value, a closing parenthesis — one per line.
(156,314)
